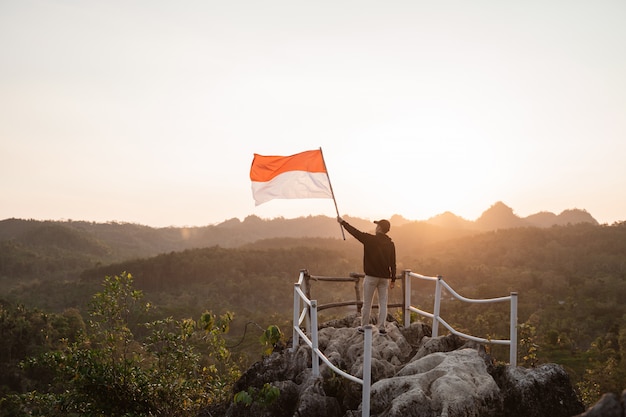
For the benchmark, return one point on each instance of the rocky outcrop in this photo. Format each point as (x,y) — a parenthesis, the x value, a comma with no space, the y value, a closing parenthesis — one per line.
(536,392)
(443,384)
(413,375)
(609,405)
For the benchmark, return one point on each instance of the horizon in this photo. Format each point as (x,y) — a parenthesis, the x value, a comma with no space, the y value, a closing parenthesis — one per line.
(151,112)
(305,216)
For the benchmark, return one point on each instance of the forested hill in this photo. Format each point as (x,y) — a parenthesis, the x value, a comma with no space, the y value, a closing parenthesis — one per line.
(86,243)
(571,279)
(576,273)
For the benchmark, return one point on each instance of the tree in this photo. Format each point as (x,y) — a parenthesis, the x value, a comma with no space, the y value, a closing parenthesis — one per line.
(109,372)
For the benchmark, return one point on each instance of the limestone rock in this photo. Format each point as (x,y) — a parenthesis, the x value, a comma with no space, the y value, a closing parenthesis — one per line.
(283,366)
(314,402)
(537,392)
(413,375)
(344,348)
(454,384)
(415,333)
(607,406)
(351,321)
(442,344)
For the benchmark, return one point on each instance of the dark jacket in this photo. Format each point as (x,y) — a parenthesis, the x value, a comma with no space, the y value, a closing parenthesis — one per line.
(379,252)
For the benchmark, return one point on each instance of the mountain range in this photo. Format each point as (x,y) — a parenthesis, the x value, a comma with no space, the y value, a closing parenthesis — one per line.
(500,216)
(110,242)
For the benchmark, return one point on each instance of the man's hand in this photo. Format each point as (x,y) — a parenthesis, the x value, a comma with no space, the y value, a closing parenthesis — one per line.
(339,219)
(392,284)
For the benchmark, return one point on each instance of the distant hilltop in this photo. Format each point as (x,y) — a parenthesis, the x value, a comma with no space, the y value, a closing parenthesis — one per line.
(501,216)
(113,240)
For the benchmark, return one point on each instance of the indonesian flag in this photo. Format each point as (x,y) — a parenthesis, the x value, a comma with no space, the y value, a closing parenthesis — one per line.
(302,175)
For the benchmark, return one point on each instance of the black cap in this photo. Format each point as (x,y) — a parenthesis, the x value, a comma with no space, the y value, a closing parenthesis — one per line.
(384,225)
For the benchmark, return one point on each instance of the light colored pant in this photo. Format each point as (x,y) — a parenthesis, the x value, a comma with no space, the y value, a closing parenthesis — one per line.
(370,285)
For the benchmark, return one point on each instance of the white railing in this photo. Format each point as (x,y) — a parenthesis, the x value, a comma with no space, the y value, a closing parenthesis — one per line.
(298,319)
(310,310)
(436,317)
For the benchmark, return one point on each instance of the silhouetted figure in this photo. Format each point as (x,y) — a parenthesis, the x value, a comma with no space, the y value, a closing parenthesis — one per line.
(379,266)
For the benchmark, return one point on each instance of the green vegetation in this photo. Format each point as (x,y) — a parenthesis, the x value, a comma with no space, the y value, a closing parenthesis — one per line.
(271,337)
(265,396)
(181,366)
(571,281)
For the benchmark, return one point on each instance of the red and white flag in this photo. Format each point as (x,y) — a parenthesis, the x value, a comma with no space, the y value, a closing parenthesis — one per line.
(302,175)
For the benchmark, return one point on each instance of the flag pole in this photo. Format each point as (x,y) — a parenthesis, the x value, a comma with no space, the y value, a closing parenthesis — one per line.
(332,192)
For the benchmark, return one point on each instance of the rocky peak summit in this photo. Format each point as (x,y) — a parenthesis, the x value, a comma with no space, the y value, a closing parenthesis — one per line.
(413,375)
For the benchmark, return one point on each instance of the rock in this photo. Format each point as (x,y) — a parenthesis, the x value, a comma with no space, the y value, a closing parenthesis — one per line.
(413,375)
(415,333)
(442,344)
(454,384)
(288,371)
(344,348)
(315,403)
(283,366)
(537,392)
(608,405)
(351,320)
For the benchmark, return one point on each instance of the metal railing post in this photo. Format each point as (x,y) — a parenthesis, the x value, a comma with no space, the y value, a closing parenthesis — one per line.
(513,337)
(314,340)
(296,317)
(367,371)
(307,292)
(406,289)
(437,307)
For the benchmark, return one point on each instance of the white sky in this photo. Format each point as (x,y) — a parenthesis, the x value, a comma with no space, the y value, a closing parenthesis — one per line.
(150,111)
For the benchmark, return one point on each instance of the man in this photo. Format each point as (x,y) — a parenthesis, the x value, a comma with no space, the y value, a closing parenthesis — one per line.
(379,265)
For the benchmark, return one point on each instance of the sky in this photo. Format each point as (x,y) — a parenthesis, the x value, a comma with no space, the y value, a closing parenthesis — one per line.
(150,112)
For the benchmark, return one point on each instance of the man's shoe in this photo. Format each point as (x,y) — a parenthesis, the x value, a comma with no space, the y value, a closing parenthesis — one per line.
(383,332)
(360,329)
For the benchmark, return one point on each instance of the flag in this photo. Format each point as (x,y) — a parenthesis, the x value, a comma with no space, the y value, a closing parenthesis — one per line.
(302,175)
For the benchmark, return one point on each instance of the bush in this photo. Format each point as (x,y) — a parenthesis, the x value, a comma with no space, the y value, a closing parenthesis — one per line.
(180,368)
